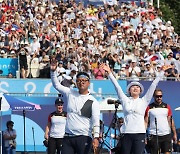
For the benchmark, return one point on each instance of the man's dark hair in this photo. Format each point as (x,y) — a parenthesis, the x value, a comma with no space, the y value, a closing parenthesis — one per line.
(9,123)
(156,91)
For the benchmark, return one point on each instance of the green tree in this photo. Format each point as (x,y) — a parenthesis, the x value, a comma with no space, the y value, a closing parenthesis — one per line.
(170,12)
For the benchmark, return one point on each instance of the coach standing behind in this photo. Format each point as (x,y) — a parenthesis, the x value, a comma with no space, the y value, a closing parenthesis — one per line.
(159,116)
(83,114)
(55,128)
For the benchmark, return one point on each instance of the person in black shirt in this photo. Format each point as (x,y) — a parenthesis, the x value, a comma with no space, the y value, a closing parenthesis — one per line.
(45,45)
(172,72)
(23,52)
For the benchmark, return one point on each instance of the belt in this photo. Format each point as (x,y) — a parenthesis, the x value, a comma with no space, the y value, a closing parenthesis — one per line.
(69,135)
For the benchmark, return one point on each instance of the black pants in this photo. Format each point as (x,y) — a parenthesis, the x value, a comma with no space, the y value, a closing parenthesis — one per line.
(164,144)
(54,145)
(76,145)
(132,143)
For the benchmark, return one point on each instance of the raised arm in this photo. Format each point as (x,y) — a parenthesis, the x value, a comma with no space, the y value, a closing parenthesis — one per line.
(118,88)
(149,94)
(60,88)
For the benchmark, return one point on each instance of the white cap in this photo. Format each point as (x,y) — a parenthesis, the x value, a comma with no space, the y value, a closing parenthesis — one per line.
(2,51)
(13,52)
(69,10)
(80,42)
(119,36)
(159,66)
(67,77)
(134,83)
(119,33)
(134,61)
(147,63)
(62,70)
(123,65)
(169,22)
(58,46)
(74,68)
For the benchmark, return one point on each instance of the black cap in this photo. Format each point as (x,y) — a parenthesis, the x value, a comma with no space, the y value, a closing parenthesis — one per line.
(59,101)
(83,75)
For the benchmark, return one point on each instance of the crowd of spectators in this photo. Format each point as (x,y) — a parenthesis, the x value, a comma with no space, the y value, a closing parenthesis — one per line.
(134,40)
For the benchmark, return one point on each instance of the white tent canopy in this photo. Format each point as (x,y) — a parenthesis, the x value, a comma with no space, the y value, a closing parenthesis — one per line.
(177,109)
(105,107)
(4,104)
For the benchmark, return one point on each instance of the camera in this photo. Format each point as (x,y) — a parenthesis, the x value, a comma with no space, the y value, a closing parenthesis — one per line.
(111,101)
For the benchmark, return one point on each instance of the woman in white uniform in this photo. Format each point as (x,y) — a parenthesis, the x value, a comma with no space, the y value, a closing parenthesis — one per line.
(134,109)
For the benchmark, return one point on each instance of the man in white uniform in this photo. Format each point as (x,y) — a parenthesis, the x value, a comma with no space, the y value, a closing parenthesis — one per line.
(83,114)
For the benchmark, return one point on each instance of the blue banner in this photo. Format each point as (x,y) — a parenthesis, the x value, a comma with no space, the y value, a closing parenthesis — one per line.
(8,65)
(44,86)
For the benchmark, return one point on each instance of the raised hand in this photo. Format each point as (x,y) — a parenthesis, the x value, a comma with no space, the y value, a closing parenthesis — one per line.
(53,65)
(105,67)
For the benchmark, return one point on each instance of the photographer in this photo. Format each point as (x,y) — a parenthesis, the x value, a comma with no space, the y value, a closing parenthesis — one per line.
(9,136)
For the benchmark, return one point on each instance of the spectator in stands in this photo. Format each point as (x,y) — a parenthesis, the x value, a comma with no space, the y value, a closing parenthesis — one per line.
(122,75)
(23,52)
(117,65)
(149,72)
(172,73)
(99,73)
(128,56)
(135,20)
(45,45)
(94,63)
(10,75)
(14,44)
(35,46)
(72,29)
(44,68)
(4,45)
(158,70)
(134,71)
(169,59)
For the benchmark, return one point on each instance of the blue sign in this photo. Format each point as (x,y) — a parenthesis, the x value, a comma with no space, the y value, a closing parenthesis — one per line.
(8,65)
(44,86)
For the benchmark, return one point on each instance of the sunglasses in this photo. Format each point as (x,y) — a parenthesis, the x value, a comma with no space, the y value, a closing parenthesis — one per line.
(83,81)
(158,96)
(59,105)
